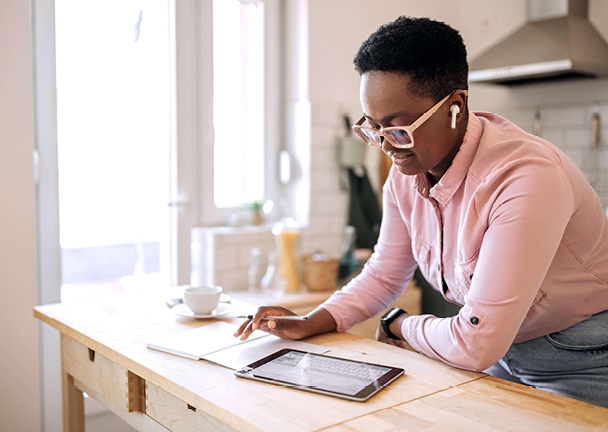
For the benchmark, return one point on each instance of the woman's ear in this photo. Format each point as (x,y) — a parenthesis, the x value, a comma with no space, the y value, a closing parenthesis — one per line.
(458,105)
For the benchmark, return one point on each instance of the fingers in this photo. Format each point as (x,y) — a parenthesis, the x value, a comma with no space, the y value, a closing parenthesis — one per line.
(247,328)
(258,322)
(241,329)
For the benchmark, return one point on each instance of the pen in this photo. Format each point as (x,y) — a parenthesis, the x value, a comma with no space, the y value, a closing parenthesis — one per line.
(289,317)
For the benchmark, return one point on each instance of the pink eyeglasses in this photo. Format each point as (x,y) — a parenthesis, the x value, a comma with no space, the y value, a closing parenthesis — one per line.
(398,136)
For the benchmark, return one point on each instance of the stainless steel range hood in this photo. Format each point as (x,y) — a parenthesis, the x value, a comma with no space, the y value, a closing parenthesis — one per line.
(557,42)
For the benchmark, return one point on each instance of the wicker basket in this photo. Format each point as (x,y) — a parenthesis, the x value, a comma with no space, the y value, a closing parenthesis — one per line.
(320,271)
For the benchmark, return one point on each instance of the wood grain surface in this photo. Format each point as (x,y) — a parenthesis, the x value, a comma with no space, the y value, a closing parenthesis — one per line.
(116,328)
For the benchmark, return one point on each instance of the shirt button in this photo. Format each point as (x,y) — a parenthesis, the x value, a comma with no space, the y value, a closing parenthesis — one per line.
(474,320)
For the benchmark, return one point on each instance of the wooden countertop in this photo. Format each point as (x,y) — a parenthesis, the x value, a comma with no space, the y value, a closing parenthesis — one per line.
(431,396)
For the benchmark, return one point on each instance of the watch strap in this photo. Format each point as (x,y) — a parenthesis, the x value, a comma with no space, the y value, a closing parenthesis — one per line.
(387,320)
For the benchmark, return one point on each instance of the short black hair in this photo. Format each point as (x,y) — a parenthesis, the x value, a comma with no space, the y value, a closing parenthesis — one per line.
(430,52)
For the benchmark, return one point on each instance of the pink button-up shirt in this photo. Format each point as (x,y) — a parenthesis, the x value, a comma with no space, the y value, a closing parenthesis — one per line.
(514,229)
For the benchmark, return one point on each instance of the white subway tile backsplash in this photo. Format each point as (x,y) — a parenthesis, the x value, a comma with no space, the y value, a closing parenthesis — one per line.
(338,222)
(589,163)
(601,108)
(325,157)
(325,180)
(318,226)
(220,255)
(560,116)
(246,237)
(601,183)
(603,158)
(225,258)
(326,243)
(324,203)
(326,224)
(232,280)
(524,118)
(576,137)
(242,255)
(244,252)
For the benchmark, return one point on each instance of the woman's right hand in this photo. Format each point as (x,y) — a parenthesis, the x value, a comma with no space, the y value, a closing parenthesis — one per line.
(320,321)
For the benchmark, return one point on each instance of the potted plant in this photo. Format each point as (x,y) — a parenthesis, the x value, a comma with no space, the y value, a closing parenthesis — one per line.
(257,216)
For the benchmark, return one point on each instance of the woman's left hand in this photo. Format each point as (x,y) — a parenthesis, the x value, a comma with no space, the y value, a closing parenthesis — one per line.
(381,336)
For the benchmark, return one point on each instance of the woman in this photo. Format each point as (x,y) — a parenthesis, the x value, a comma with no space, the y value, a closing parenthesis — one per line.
(499,221)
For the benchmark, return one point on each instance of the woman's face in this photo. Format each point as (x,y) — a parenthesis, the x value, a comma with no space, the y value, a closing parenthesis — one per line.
(387,102)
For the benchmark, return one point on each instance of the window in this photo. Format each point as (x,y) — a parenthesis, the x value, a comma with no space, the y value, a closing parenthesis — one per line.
(236,81)
(238,102)
(165,122)
(126,150)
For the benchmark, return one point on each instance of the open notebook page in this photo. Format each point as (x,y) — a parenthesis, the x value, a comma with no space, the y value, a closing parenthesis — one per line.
(215,343)
(200,341)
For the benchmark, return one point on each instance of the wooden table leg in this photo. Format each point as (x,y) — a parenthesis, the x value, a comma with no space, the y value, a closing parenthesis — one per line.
(73,405)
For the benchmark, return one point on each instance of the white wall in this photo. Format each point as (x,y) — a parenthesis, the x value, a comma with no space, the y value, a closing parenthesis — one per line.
(19,358)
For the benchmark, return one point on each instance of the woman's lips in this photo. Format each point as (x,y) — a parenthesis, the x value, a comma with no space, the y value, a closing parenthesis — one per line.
(402,159)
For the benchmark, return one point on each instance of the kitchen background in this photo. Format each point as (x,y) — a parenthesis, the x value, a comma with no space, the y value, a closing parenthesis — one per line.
(565,110)
(335,30)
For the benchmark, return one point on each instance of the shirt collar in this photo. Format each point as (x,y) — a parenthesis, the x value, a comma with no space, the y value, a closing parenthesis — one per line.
(447,186)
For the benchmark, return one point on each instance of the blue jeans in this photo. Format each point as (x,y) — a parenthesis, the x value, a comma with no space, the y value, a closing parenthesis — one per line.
(572,362)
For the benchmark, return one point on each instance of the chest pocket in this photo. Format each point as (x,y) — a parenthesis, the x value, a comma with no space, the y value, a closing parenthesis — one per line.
(463,274)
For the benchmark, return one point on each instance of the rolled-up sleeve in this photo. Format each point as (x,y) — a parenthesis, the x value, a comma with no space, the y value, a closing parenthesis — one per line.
(526,207)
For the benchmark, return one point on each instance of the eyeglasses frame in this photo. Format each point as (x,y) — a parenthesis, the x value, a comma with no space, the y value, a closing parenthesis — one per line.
(409,129)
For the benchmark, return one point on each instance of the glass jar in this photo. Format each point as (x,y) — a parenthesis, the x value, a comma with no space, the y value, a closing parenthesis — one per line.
(273,284)
(256,271)
(287,235)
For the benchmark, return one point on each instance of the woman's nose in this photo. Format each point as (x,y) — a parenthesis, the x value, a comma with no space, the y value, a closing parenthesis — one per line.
(385,145)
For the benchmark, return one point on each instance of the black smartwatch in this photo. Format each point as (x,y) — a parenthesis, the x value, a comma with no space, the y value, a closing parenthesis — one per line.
(388,318)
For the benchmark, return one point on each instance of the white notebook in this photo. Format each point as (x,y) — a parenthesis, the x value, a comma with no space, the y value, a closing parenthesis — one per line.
(215,343)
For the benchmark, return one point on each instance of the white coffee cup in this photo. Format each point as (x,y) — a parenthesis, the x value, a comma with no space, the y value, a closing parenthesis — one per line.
(202,300)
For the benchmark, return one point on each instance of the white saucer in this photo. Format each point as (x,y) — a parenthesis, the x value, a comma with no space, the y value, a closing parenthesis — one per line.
(221,310)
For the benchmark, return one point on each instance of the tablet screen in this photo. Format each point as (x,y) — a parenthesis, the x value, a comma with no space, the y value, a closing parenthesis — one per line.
(331,375)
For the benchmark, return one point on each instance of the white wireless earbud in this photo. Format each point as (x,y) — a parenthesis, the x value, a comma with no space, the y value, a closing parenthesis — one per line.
(454,109)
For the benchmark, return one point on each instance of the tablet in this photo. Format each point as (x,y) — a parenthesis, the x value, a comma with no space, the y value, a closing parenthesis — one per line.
(332,376)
